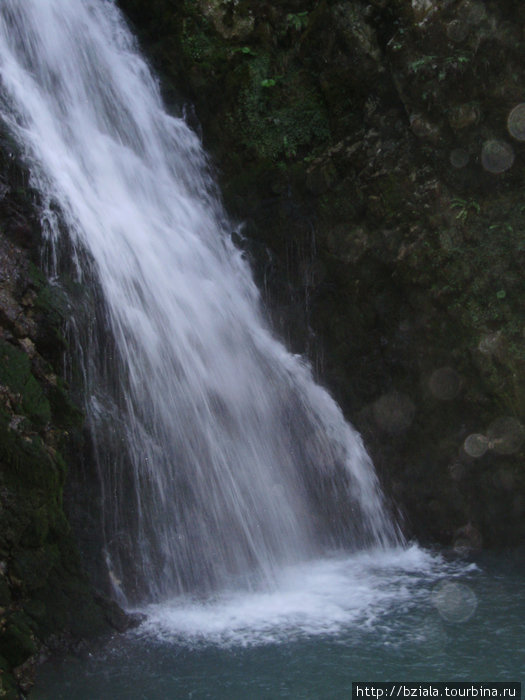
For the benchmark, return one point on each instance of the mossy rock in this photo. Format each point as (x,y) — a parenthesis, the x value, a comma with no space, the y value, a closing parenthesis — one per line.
(17,640)
(37,531)
(15,373)
(8,688)
(27,464)
(32,567)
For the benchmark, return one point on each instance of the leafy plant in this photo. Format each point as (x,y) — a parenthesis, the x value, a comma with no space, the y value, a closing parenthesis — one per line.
(246,50)
(420,63)
(297,20)
(270,82)
(464,206)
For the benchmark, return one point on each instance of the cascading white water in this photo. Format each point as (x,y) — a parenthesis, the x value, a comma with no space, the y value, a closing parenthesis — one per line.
(219,457)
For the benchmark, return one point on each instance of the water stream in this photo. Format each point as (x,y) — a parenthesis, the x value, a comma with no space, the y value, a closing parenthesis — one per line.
(238,509)
(218,456)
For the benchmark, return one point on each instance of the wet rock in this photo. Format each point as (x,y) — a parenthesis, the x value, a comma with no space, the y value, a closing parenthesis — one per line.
(229,18)
(464,116)
(17,640)
(424,129)
(25,674)
(117,618)
(43,590)
(467,539)
(319,179)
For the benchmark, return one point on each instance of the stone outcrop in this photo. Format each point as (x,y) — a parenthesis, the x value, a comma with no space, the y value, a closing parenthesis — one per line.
(46,601)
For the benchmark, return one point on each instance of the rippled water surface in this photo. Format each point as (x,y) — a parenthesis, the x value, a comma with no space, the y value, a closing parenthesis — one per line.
(400,615)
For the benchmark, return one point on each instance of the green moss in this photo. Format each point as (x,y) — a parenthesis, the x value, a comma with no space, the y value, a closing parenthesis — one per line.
(278,114)
(65,413)
(26,463)
(17,641)
(36,610)
(37,531)
(33,567)
(200,45)
(15,373)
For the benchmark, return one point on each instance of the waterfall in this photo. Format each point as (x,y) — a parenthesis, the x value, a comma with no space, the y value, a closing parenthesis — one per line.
(219,457)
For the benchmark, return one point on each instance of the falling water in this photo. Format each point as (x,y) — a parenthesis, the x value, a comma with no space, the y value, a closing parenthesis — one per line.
(219,458)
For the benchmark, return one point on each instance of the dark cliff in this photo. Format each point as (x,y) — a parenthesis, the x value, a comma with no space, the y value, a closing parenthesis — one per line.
(46,599)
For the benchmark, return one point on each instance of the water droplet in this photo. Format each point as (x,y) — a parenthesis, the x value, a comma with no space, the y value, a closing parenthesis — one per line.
(516,122)
(445,383)
(394,412)
(476,445)
(459,158)
(506,435)
(454,601)
(497,156)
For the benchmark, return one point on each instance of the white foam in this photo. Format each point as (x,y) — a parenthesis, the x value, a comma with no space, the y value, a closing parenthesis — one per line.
(323,597)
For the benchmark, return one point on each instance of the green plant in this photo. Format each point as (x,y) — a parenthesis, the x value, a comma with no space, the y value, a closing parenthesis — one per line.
(464,206)
(246,50)
(297,20)
(420,63)
(457,60)
(271,82)
(289,149)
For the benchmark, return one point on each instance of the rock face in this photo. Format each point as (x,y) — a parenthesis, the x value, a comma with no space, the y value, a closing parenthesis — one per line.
(44,596)
(375,152)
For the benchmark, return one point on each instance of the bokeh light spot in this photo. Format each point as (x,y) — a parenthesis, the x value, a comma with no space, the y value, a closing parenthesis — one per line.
(497,156)
(459,157)
(444,383)
(476,445)
(394,412)
(516,122)
(457,31)
(454,601)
